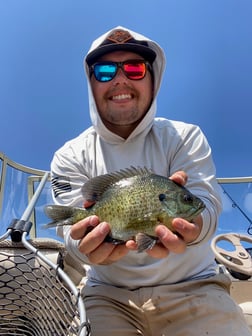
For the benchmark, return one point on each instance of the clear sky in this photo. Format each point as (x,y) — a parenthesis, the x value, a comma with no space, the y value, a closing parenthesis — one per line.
(208,78)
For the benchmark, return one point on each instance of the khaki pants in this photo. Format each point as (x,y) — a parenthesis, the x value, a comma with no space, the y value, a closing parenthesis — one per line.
(193,308)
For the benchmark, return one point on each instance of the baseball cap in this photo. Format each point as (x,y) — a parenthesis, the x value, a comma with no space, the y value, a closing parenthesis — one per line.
(120,39)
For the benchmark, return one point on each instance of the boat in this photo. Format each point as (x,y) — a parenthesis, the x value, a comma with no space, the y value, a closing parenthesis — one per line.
(40,282)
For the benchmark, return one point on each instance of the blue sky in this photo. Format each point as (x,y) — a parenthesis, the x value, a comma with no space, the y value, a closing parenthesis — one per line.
(208,78)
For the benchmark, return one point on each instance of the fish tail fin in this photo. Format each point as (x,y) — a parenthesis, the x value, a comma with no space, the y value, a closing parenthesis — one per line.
(51,225)
(60,214)
(145,242)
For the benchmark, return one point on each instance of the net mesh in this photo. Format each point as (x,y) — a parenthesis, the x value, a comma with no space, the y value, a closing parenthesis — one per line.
(34,299)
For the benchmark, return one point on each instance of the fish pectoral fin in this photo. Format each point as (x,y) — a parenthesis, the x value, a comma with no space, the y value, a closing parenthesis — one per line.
(144,242)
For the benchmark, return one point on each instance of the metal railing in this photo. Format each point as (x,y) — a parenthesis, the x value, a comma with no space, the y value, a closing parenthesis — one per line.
(35,176)
(6,162)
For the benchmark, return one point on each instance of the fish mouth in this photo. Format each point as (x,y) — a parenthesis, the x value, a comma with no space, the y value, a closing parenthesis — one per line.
(199,210)
(190,216)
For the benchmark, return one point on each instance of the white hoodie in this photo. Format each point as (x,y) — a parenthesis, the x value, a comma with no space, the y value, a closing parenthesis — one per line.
(163,145)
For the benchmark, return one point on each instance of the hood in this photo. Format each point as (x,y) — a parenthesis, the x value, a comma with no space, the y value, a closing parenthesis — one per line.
(139,44)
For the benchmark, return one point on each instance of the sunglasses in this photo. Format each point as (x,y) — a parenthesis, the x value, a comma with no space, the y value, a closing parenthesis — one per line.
(105,71)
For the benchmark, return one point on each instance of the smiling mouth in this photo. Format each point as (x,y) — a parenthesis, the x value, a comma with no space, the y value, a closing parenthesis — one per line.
(121,97)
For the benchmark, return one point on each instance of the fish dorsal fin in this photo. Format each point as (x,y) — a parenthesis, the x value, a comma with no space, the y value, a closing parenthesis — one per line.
(93,189)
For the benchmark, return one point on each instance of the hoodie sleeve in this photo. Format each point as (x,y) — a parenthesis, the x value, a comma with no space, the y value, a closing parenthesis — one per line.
(68,177)
(192,154)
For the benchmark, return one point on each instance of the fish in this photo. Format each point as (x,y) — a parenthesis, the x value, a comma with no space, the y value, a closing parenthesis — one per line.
(133,201)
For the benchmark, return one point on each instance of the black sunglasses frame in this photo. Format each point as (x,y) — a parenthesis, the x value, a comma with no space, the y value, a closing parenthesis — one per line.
(119,65)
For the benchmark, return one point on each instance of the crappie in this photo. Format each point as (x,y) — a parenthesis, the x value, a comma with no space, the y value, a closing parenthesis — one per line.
(133,201)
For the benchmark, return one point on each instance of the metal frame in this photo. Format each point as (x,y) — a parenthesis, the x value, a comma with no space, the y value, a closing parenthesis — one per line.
(225,180)
(37,175)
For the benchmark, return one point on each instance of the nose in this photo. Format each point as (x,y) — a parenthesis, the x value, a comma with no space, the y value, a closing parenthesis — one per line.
(120,77)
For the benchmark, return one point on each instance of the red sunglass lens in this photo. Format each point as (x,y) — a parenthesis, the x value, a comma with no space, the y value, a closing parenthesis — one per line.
(135,70)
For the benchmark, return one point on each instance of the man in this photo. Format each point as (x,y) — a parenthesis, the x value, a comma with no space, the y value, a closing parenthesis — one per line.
(173,288)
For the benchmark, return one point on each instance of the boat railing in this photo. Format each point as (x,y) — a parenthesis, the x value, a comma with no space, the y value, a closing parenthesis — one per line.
(18,184)
(11,173)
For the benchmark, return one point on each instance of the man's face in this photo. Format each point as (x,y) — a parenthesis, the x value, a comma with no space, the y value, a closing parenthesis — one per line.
(122,102)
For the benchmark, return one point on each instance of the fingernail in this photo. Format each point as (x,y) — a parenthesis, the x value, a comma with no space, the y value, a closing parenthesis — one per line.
(179,225)
(93,221)
(162,232)
(104,228)
(180,178)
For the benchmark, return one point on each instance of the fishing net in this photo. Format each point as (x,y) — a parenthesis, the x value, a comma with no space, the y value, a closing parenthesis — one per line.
(37,298)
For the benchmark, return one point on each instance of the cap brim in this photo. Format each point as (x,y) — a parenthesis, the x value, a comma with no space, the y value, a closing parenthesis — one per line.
(147,53)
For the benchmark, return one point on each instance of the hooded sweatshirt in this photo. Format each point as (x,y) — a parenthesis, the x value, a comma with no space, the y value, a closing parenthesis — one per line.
(163,145)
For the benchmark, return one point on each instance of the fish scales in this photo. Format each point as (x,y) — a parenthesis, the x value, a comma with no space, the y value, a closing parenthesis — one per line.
(129,206)
(133,201)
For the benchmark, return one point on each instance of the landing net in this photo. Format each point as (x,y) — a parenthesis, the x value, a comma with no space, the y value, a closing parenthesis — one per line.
(36,297)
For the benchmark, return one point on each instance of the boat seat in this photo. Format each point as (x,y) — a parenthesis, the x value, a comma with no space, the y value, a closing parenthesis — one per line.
(240,291)
(247,311)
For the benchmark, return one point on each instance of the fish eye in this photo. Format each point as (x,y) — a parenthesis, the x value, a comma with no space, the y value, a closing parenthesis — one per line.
(161,197)
(188,198)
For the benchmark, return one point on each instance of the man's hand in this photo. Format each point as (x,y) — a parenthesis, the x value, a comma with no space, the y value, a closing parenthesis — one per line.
(92,241)
(169,241)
